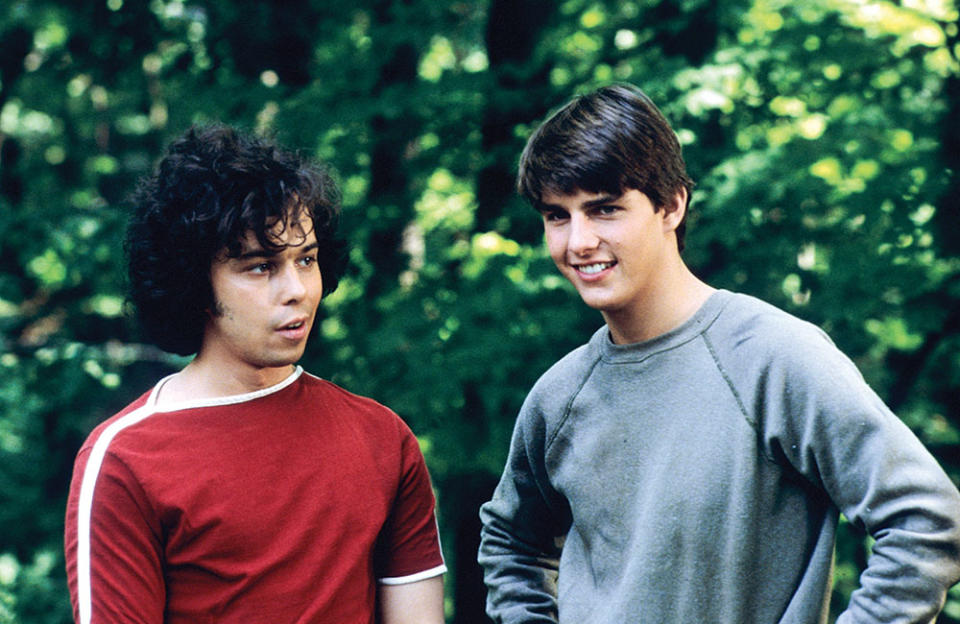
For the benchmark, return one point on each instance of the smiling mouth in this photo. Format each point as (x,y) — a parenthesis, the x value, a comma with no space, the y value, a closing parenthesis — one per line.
(594,268)
(296,325)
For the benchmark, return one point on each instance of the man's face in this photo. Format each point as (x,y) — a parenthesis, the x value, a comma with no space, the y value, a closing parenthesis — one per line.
(611,248)
(266,303)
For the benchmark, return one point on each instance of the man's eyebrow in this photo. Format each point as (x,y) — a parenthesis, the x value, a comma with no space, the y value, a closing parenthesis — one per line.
(599,201)
(255,253)
(260,252)
(542,206)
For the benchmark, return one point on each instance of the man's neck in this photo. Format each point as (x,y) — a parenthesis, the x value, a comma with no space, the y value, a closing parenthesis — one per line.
(198,380)
(670,304)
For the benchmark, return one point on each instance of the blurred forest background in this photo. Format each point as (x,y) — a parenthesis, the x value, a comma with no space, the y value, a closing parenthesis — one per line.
(824,136)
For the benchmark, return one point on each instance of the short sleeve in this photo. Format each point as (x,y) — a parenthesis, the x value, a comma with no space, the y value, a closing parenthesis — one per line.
(408,548)
(118,577)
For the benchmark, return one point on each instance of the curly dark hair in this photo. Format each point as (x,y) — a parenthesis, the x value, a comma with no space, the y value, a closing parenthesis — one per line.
(607,141)
(214,185)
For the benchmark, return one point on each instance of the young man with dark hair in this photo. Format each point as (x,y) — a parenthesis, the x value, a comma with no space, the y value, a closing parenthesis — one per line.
(690,462)
(243,489)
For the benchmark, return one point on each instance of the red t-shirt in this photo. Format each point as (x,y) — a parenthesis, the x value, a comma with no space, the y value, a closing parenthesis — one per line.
(284,505)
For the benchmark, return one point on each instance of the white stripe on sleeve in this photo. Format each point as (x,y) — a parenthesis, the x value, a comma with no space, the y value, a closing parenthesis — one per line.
(85,506)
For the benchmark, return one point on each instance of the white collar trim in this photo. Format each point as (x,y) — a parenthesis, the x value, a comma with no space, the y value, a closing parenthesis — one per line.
(152,405)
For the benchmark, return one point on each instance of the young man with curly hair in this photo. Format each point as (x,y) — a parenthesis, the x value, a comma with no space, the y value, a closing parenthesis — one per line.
(691,461)
(241,488)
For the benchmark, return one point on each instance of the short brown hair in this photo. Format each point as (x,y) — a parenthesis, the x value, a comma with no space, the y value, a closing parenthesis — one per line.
(608,141)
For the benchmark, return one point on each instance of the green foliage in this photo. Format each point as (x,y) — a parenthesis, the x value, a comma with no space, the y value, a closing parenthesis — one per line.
(35,592)
(819,133)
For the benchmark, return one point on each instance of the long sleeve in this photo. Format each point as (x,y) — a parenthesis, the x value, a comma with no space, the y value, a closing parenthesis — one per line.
(522,534)
(820,416)
(699,476)
(119,576)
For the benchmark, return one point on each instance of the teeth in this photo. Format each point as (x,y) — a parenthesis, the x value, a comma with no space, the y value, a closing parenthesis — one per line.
(294,325)
(590,269)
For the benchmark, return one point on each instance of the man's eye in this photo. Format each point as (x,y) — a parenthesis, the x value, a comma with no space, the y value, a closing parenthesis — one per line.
(606,210)
(554,215)
(263,267)
(308,261)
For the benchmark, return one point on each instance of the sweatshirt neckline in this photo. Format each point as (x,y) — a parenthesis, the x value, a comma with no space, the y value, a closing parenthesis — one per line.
(151,402)
(683,333)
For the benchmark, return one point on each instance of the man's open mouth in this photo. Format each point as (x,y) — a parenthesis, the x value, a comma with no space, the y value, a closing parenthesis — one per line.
(596,267)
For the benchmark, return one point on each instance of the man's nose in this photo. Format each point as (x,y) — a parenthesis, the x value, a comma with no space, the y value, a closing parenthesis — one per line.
(291,284)
(582,239)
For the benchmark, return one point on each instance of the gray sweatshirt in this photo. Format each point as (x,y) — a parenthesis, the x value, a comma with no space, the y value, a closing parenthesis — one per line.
(699,477)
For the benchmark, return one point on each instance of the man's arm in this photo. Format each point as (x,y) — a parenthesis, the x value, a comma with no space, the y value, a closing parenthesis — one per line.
(912,510)
(824,419)
(114,567)
(408,561)
(420,602)
(522,535)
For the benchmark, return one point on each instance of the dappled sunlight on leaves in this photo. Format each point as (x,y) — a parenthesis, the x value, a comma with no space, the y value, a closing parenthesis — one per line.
(814,130)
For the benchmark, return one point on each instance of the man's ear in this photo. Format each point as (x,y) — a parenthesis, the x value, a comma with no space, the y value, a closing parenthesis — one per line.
(675,210)
(213,311)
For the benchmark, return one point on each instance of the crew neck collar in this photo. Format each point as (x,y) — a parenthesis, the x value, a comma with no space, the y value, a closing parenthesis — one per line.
(686,331)
(217,401)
